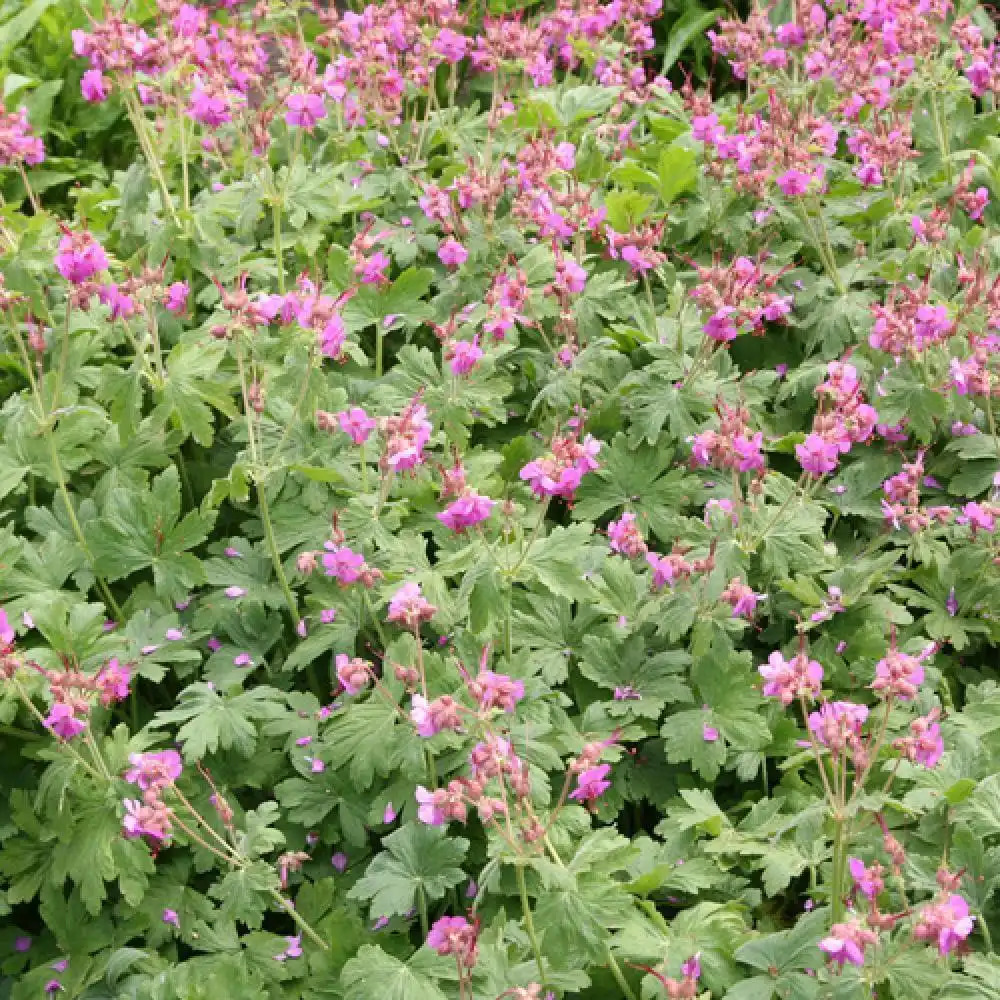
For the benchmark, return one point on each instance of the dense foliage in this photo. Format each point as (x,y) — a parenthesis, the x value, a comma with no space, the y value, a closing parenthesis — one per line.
(485,516)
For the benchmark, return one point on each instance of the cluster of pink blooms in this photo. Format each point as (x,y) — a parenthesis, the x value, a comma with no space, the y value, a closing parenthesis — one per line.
(908,323)
(981,64)
(455,936)
(843,419)
(741,597)
(154,773)
(846,942)
(790,680)
(353,673)
(924,745)
(837,726)
(776,149)
(637,247)
(467,511)
(560,471)
(901,503)
(625,537)
(405,437)
(739,298)
(733,445)
(946,921)
(318,314)
(74,692)
(883,148)
(899,675)
(675,567)
(408,606)
(18,147)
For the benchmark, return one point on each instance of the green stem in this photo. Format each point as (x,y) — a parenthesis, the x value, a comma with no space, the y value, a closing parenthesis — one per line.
(300,921)
(529,923)
(616,971)
(942,138)
(279,252)
(272,548)
(422,910)
(78,531)
(840,839)
(138,120)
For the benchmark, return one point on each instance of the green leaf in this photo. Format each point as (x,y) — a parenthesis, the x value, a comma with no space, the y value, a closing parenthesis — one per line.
(374,975)
(690,25)
(677,171)
(417,859)
(193,388)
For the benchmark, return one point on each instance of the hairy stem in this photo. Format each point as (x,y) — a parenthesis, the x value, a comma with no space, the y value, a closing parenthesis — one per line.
(529,923)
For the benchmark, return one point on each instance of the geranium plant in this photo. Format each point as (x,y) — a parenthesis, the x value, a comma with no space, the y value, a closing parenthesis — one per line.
(494,510)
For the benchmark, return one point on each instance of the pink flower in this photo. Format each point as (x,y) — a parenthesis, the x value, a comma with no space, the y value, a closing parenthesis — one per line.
(356,424)
(154,770)
(409,607)
(353,673)
(838,724)
(868,881)
(209,109)
(113,681)
(799,677)
(339,861)
(463,355)
(592,783)
(847,943)
(170,917)
(304,110)
(899,674)
(625,537)
(454,936)
(432,717)
(947,921)
(62,721)
(709,733)
(372,270)
(177,296)
(565,156)
(429,811)
(450,45)
(817,455)
(452,254)
(7,635)
(94,86)
(235,592)
(794,182)
(498,691)
(343,563)
(293,949)
(466,511)
(80,257)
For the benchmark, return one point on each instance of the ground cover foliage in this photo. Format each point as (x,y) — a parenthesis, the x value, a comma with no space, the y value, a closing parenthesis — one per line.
(499,501)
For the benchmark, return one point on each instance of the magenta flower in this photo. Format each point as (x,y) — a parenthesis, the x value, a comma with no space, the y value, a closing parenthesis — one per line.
(113,682)
(799,677)
(794,183)
(466,511)
(62,721)
(591,784)
(235,592)
(452,254)
(154,770)
(7,634)
(409,607)
(463,355)
(450,45)
(946,921)
(817,455)
(429,811)
(709,733)
(293,949)
(356,424)
(209,109)
(339,861)
(177,296)
(80,257)
(304,110)
(847,942)
(94,86)
(171,917)
(372,270)
(454,936)
(343,563)
(868,881)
